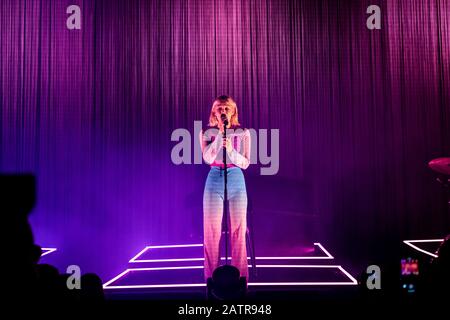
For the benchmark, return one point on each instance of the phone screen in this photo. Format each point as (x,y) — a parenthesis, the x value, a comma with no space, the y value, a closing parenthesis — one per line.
(409,266)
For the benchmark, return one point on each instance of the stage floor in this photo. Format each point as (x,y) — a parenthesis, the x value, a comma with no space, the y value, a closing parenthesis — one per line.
(178,270)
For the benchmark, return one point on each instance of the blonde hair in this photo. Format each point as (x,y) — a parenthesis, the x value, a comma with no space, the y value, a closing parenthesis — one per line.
(225,101)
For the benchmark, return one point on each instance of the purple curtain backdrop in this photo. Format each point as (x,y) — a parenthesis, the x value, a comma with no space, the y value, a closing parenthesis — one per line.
(91,112)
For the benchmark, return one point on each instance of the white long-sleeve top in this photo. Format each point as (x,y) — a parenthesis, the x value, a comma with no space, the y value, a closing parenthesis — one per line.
(212,149)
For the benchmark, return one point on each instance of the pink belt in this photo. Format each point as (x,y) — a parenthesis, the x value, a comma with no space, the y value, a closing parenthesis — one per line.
(222,166)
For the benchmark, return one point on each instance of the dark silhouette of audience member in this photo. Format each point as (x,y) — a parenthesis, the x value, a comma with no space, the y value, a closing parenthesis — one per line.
(25,278)
(435,279)
(441,268)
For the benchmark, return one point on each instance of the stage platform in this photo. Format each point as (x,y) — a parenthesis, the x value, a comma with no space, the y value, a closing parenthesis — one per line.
(176,271)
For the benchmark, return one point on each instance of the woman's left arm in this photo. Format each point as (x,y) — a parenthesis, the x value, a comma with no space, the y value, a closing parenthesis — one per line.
(238,159)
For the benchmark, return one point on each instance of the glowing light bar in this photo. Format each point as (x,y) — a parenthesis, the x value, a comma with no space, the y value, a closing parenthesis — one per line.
(47,251)
(135,258)
(410,243)
(164,247)
(353,281)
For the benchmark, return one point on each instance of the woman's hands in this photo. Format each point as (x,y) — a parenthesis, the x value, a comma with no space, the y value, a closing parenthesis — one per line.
(226,143)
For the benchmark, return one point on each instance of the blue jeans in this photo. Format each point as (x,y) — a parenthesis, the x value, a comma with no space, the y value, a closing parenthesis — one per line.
(212,218)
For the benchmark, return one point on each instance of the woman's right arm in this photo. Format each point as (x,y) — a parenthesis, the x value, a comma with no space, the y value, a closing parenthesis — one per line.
(210,150)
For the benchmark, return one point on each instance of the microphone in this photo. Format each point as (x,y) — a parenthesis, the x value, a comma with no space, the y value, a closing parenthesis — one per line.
(224,119)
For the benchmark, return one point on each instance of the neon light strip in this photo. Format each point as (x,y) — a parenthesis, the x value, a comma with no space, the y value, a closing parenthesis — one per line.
(134,259)
(409,243)
(47,251)
(164,247)
(324,250)
(107,285)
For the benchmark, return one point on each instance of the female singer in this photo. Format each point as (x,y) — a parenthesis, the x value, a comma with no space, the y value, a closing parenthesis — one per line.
(237,146)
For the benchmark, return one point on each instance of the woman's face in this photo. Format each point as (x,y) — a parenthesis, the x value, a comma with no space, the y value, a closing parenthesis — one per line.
(223,109)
